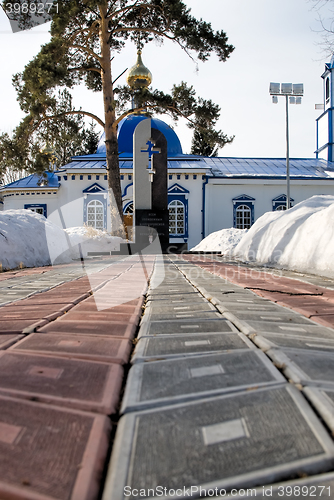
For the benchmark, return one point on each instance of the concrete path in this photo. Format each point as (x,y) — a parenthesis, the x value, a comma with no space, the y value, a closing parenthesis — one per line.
(229,391)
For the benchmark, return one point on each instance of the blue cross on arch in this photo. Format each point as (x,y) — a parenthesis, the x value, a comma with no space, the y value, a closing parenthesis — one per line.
(150,149)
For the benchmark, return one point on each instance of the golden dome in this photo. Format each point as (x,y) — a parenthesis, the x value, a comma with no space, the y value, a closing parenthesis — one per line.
(47,150)
(139,76)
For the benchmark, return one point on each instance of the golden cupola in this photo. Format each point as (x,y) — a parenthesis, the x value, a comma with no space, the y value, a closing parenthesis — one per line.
(139,76)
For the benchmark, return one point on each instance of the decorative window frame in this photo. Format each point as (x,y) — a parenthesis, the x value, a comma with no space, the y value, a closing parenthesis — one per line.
(95,192)
(27,206)
(281,200)
(179,193)
(243,199)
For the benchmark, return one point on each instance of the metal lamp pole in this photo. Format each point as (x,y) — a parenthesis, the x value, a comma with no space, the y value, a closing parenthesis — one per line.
(294,93)
(287,154)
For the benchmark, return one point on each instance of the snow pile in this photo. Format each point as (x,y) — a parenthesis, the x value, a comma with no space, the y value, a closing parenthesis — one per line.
(23,239)
(301,239)
(28,239)
(92,240)
(223,241)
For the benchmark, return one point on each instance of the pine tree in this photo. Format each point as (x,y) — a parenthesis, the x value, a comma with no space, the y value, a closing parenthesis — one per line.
(84,35)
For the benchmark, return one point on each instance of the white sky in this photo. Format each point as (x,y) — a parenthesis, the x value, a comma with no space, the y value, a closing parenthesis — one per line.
(274,41)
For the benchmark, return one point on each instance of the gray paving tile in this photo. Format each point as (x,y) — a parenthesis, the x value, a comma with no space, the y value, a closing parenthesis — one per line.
(310,343)
(308,367)
(166,382)
(168,346)
(293,329)
(323,401)
(176,298)
(153,328)
(278,316)
(245,439)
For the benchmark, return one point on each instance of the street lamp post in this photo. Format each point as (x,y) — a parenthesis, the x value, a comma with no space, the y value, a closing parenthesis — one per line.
(293,93)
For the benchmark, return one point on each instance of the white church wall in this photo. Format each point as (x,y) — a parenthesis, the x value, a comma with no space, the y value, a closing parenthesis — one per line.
(194,210)
(219,197)
(17,201)
(323,131)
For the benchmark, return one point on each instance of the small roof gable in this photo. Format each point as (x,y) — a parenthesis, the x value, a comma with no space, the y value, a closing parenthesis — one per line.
(243,197)
(94,188)
(35,181)
(177,189)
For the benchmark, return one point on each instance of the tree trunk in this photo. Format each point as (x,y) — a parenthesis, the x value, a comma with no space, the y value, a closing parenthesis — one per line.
(114,179)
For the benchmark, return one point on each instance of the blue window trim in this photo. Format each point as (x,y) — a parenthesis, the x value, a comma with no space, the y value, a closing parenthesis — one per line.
(281,200)
(182,198)
(37,205)
(94,188)
(126,206)
(243,199)
(99,197)
(125,192)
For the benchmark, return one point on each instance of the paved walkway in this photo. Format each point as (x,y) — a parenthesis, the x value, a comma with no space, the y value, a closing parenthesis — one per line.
(230,388)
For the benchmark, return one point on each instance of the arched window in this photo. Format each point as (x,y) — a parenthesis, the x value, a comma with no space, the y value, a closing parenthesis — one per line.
(243,217)
(327,89)
(95,214)
(176,217)
(280,207)
(128,210)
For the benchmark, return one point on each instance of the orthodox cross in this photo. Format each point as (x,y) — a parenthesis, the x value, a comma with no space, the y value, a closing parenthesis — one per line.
(151,150)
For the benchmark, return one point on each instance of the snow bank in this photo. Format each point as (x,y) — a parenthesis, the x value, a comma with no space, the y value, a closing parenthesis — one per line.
(223,241)
(29,239)
(301,239)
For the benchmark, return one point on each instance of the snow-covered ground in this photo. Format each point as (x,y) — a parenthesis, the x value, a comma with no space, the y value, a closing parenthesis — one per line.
(223,241)
(28,239)
(301,239)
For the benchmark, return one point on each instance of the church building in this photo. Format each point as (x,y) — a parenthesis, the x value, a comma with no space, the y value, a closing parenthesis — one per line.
(205,194)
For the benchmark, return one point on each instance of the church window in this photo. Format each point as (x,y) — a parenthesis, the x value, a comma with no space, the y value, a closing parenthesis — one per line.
(105,177)
(81,177)
(186,177)
(95,214)
(38,209)
(176,217)
(280,207)
(97,177)
(89,177)
(195,176)
(327,89)
(243,217)
(129,177)
(122,177)
(178,177)
(65,177)
(128,210)
(73,177)
(170,177)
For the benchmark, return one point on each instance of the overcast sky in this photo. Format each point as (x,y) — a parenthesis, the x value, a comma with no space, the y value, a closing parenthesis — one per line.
(274,41)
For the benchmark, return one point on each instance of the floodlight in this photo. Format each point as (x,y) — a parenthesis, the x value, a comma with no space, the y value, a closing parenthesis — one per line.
(298,88)
(286,88)
(274,88)
(298,100)
(292,99)
(275,99)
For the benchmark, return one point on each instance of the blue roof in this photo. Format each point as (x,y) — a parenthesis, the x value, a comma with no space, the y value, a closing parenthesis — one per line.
(270,167)
(126,129)
(227,167)
(35,181)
